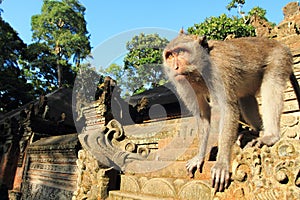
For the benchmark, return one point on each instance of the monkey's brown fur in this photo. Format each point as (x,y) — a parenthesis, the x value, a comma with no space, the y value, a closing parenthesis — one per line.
(231,73)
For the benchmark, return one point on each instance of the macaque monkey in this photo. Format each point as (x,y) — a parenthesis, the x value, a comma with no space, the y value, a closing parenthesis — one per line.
(230,72)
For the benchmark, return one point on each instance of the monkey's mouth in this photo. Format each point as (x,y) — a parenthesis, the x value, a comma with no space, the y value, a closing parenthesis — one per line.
(181,75)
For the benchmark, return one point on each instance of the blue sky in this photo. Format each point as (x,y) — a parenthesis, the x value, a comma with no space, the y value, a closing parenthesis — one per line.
(107,19)
(110,17)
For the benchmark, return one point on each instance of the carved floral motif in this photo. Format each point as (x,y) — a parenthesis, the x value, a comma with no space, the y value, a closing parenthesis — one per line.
(267,173)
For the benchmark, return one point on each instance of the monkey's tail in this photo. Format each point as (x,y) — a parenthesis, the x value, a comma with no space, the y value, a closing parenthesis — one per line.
(296,87)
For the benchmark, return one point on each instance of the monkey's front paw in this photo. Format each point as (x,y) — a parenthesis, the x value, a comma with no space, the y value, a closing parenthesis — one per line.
(220,176)
(193,165)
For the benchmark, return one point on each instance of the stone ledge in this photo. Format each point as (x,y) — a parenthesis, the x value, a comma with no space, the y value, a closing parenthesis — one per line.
(118,195)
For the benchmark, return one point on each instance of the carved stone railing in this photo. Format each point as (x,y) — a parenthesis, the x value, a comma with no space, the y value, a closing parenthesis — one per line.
(267,173)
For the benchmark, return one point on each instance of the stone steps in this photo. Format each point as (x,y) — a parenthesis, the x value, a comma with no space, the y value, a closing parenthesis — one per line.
(154,184)
(134,188)
(164,169)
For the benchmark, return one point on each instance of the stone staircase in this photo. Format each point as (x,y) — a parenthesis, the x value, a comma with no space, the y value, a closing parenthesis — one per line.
(170,182)
(163,175)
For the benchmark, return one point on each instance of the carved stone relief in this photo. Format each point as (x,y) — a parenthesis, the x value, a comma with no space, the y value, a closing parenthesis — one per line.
(266,173)
(102,144)
(92,181)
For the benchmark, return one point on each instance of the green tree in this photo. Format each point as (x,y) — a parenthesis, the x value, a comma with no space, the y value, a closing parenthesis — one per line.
(218,28)
(260,13)
(240,26)
(87,82)
(61,25)
(142,63)
(39,65)
(235,4)
(117,72)
(256,11)
(15,91)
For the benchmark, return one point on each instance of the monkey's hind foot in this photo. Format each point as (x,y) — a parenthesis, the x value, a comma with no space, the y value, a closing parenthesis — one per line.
(245,137)
(269,140)
(193,165)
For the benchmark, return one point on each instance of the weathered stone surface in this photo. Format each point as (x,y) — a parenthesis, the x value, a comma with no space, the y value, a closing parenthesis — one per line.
(290,126)
(169,188)
(102,143)
(92,181)
(51,171)
(51,115)
(165,189)
(195,190)
(290,9)
(262,27)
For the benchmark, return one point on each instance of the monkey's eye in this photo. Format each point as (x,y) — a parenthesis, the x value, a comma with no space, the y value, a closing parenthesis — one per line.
(169,55)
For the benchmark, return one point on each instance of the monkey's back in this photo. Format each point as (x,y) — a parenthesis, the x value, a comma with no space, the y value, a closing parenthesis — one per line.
(244,61)
(253,52)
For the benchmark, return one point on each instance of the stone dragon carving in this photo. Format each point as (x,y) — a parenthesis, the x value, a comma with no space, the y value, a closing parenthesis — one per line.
(100,144)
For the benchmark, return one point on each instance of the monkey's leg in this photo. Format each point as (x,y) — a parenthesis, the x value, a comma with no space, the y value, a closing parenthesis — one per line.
(272,89)
(250,112)
(228,135)
(203,127)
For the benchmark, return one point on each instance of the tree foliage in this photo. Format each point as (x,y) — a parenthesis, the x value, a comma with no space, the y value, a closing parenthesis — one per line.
(117,72)
(0,8)
(87,81)
(14,89)
(62,27)
(256,11)
(218,28)
(235,4)
(39,65)
(142,63)
(260,13)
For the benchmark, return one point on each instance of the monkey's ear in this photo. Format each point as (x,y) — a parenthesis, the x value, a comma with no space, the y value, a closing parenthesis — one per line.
(203,42)
(181,32)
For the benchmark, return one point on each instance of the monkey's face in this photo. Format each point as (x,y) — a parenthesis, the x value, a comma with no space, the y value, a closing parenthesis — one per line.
(181,56)
(177,62)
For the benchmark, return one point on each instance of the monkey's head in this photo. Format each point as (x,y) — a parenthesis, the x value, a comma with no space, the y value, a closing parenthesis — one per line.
(183,56)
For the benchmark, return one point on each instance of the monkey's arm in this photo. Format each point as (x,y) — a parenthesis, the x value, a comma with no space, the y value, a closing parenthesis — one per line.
(203,128)
(227,137)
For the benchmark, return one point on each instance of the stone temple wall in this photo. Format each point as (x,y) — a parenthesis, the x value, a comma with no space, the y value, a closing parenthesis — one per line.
(50,168)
